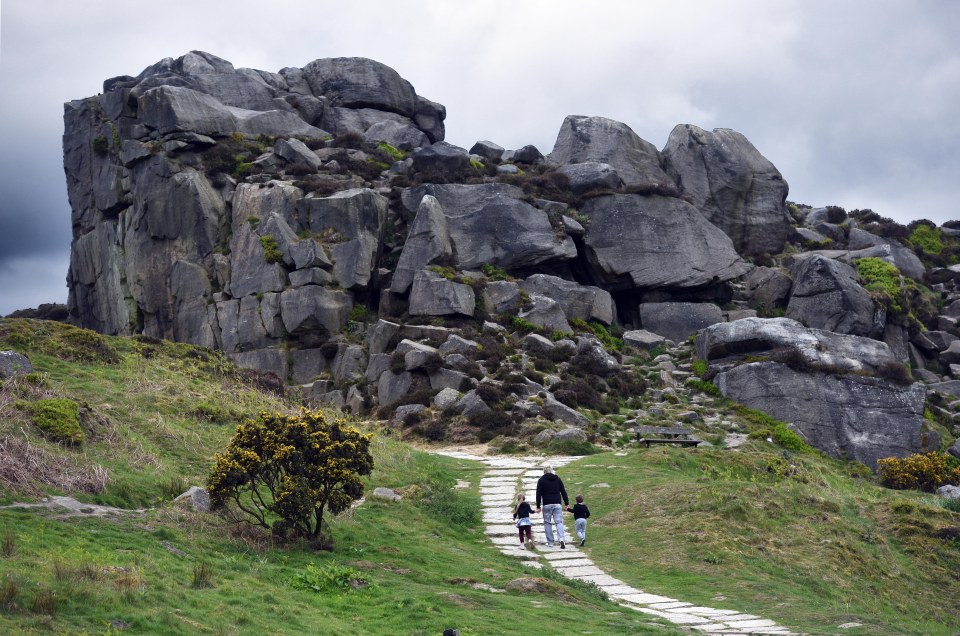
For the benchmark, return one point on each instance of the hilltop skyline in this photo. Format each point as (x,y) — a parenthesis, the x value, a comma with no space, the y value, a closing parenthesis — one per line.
(852,103)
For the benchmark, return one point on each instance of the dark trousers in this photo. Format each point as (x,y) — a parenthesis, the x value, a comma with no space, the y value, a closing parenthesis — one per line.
(529,532)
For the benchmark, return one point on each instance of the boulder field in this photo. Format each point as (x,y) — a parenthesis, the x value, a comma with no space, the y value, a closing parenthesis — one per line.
(313,223)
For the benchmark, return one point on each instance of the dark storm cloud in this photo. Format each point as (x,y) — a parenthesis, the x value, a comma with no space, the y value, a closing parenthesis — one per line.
(853,101)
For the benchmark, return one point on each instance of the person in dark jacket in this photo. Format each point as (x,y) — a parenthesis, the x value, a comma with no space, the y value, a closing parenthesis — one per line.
(551,493)
(522,514)
(580,515)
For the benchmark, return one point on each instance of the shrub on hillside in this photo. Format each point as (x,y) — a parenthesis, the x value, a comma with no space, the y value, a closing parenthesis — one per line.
(59,420)
(921,471)
(282,472)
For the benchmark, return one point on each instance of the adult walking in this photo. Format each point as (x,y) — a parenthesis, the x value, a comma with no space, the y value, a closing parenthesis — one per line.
(553,496)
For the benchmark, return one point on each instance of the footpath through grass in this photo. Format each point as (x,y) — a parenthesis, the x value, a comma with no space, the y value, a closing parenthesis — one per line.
(153,414)
(789,537)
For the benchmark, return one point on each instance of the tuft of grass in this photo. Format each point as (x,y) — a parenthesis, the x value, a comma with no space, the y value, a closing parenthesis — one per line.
(58,419)
(202,576)
(45,602)
(8,545)
(9,594)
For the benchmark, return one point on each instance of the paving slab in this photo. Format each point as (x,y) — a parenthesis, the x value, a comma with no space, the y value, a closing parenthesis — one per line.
(577,572)
(502,529)
(745,625)
(645,599)
(670,605)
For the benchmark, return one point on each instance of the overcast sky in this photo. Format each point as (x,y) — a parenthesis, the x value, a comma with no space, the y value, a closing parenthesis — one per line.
(855,102)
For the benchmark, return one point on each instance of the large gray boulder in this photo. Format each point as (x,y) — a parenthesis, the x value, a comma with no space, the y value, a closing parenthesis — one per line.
(678,320)
(767,288)
(441,157)
(401,135)
(598,139)
(427,241)
(578,301)
(13,364)
(591,175)
(546,313)
(784,339)
(732,184)
(649,242)
(827,295)
(490,223)
(357,82)
(170,109)
(434,295)
(903,258)
(355,219)
(849,416)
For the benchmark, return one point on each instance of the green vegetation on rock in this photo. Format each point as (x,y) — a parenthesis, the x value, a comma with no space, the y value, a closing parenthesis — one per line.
(58,419)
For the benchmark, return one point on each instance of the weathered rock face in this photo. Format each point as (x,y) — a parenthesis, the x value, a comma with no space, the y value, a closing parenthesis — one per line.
(827,295)
(849,416)
(491,224)
(653,241)
(677,321)
(166,243)
(260,214)
(732,184)
(602,140)
(820,383)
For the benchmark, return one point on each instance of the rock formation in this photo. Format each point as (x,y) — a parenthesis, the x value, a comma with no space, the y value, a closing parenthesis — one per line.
(314,223)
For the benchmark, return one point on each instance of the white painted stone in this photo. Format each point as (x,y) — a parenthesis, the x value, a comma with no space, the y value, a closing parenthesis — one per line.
(573,563)
(646,599)
(761,622)
(618,589)
(709,611)
(577,572)
(604,580)
(502,529)
(670,605)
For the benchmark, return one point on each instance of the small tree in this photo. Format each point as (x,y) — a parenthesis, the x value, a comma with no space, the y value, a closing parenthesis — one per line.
(291,467)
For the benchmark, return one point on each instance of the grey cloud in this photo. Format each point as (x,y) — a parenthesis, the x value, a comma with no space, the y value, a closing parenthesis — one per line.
(854,102)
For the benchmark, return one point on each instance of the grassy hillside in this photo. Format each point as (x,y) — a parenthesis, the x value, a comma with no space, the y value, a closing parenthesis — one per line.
(787,535)
(152,415)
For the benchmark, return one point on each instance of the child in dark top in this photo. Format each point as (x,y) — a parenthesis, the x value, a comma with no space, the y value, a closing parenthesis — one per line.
(522,514)
(580,514)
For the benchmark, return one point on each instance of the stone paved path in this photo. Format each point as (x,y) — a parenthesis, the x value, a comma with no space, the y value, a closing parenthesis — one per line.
(499,486)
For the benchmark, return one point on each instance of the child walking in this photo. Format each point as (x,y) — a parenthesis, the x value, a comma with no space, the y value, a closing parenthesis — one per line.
(522,514)
(580,514)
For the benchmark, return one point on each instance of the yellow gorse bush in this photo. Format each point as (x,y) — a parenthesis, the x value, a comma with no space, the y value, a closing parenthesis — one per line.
(922,471)
(283,471)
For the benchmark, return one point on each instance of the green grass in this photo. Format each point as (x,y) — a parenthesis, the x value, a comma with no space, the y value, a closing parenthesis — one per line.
(151,421)
(784,536)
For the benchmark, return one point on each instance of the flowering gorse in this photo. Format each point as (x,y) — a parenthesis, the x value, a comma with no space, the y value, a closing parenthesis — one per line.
(922,471)
(281,471)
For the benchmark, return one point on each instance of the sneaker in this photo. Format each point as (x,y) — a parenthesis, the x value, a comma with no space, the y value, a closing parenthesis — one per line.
(583,542)
(563,546)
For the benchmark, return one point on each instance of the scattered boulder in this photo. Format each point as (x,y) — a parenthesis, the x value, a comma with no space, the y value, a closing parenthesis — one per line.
(578,302)
(13,364)
(642,339)
(850,416)
(601,140)
(492,224)
(195,498)
(434,295)
(827,295)
(732,184)
(385,493)
(656,242)
(426,242)
(677,321)
(488,150)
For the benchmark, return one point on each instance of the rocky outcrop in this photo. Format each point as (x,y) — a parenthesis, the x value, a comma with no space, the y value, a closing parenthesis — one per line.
(492,224)
(647,242)
(605,141)
(847,416)
(732,184)
(831,388)
(827,295)
(314,224)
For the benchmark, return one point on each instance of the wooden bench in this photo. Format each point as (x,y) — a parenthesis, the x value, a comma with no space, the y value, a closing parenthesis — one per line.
(669,440)
(666,435)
